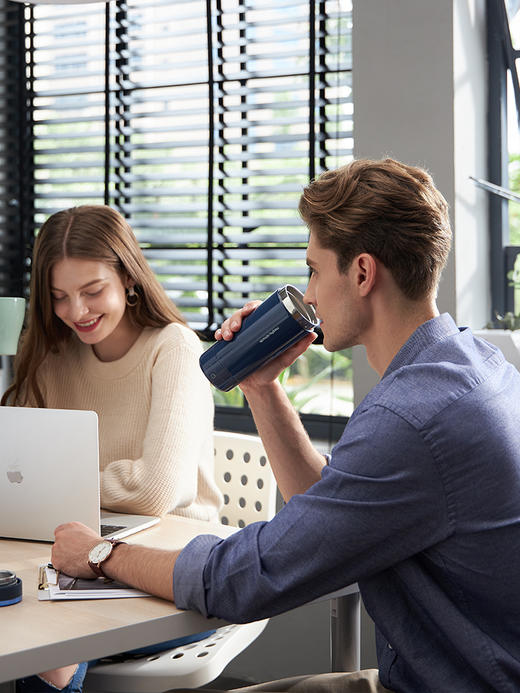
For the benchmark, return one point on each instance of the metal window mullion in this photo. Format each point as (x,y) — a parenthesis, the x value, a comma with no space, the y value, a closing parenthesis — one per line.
(211,163)
(123,152)
(222,108)
(106,186)
(322,83)
(244,101)
(497,154)
(312,86)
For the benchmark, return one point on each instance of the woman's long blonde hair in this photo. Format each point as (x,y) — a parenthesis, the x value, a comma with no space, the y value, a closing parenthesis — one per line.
(93,232)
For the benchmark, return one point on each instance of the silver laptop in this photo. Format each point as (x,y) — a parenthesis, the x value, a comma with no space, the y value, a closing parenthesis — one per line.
(49,474)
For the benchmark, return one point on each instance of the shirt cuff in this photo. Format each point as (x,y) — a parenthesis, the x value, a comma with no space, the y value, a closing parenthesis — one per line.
(188,574)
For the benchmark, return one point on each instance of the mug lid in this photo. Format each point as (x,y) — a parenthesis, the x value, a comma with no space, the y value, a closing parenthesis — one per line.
(7,577)
(303,313)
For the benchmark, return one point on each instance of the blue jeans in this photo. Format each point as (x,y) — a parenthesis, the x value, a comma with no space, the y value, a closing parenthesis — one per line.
(34,684)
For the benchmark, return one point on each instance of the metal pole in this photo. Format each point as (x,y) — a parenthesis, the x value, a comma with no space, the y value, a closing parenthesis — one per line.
(345,633)
(8,687)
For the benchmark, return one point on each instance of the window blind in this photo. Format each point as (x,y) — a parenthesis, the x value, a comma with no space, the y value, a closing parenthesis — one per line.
(199,120)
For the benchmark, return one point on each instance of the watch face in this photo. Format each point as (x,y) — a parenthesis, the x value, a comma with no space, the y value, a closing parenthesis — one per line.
(99,552)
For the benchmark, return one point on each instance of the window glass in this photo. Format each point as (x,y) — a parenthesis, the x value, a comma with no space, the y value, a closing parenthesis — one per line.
(512,8)
(319,382)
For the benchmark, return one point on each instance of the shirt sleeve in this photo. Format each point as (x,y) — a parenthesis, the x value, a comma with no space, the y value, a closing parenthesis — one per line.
(379,501)
(188,576)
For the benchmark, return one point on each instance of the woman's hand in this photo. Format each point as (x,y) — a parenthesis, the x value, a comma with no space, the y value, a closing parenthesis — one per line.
(270,372)
(72,544)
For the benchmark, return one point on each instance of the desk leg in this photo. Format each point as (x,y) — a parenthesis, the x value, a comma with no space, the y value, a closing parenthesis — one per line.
(345,633)
(8,687)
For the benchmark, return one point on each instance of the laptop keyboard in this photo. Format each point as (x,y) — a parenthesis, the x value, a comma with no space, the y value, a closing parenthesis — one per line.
(110,529)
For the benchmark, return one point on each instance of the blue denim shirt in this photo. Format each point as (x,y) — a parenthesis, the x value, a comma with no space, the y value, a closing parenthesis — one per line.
(420,505)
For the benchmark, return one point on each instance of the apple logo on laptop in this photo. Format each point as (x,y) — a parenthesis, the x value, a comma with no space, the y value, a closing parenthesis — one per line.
(14,475)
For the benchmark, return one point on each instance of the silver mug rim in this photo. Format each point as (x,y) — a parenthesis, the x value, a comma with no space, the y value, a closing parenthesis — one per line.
(303,313)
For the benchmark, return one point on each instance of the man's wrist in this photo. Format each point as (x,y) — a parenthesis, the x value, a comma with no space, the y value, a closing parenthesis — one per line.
(100,553)
(254,390)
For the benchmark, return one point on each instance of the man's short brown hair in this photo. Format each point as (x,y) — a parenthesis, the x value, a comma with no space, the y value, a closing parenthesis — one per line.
(388,209)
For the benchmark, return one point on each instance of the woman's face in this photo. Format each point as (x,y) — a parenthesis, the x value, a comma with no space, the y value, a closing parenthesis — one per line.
(89,297)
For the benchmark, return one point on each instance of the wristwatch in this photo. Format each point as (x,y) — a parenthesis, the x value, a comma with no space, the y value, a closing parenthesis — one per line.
(100,553)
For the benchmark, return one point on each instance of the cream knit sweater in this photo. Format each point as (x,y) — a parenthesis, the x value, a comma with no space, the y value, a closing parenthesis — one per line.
(155,414)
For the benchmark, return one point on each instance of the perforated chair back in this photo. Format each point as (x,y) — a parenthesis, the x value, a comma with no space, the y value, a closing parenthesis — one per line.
(187,666)
(245,478)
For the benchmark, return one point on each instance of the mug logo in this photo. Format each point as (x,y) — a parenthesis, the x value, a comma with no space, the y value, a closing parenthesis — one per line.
(269,334)
(14,475)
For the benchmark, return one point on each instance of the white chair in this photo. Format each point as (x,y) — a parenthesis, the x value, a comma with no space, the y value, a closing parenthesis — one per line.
(244,476)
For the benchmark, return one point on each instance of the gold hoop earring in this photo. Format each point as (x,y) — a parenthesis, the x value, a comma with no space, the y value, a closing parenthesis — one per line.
(131,297)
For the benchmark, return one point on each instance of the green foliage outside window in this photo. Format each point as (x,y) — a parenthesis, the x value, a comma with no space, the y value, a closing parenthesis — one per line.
(514,207)
(318,382)
(511,321)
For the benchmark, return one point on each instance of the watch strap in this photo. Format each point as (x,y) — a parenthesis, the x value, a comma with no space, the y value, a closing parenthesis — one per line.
(96,567)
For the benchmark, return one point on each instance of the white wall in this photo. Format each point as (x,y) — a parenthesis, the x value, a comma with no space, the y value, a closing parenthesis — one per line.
(419,96)
(472,286)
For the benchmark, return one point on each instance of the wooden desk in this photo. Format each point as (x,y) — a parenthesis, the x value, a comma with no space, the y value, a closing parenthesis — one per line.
(36,636)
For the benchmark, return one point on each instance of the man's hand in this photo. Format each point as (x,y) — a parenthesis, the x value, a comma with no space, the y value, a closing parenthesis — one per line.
(293,459)
(270,372)
(234,323)
(73,541)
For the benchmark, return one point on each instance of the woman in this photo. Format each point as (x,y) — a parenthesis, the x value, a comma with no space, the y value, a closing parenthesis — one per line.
(102,335)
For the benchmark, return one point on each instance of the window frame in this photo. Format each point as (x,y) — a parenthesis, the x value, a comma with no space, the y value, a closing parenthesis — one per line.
(502,57)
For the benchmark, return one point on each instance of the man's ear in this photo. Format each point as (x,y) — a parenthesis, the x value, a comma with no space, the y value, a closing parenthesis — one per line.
(366,273)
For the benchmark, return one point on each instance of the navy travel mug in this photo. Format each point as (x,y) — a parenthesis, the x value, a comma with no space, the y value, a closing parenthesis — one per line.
(278,322)
(10,588)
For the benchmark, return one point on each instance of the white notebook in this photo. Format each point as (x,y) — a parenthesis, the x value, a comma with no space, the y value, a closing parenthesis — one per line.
(56,586)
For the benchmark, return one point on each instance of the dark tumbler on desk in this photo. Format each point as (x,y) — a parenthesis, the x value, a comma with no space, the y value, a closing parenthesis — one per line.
(278,322)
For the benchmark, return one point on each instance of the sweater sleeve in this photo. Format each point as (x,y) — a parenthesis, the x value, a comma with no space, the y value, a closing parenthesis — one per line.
(166,477)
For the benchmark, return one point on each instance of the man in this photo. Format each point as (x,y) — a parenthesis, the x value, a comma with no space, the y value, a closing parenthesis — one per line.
(419,502)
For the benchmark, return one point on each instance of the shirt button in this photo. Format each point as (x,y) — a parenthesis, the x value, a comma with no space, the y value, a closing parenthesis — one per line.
(389,646)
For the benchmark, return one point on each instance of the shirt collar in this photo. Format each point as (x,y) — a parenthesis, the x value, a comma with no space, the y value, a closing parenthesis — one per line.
(433,330)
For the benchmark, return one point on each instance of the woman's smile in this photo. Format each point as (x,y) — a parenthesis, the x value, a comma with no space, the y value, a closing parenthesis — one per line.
(88,325)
